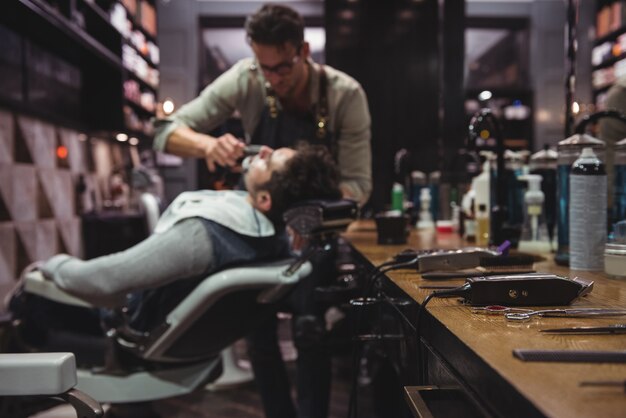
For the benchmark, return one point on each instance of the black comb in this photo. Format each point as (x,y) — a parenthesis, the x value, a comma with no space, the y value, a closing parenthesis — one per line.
(570,356)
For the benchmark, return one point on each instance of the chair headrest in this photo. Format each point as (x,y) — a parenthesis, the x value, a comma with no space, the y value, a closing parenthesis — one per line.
(316,217)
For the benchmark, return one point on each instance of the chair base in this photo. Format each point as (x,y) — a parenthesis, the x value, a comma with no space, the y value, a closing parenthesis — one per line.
(146,386)
(233,375)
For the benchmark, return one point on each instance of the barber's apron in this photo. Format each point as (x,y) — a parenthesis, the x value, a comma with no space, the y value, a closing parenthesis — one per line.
(278,129)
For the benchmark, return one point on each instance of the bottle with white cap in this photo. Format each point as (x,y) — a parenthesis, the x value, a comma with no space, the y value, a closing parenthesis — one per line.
(587,212)
(534,237)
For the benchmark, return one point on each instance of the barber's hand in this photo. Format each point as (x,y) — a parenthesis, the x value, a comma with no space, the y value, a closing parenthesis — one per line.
(224,151)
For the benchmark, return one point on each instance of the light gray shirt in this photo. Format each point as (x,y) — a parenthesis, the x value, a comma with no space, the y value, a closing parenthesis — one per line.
(242,89)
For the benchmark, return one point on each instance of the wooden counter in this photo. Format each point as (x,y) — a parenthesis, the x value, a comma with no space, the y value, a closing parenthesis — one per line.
(478,348)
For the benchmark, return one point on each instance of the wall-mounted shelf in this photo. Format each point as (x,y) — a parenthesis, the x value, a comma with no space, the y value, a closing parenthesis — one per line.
(70,60)
(609,52)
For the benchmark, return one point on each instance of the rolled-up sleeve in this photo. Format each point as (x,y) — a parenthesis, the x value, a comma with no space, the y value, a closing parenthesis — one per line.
(212,107)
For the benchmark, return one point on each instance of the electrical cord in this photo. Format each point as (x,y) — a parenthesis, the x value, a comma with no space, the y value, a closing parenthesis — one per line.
(405,259)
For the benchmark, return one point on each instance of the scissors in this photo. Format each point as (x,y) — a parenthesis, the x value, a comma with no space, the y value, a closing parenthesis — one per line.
(499,309)
(559,313)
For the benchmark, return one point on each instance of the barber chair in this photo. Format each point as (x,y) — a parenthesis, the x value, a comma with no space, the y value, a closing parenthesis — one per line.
(28,377)
(182,352)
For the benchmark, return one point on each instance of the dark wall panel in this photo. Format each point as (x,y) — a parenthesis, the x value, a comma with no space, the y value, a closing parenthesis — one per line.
(390,47)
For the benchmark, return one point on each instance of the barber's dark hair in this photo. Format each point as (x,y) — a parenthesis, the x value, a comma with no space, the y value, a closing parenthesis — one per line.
(310,174)
(274,24)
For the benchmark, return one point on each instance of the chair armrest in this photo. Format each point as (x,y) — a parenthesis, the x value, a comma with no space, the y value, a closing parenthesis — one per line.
(46,374)
(270,275)
(37,284)
(37,373)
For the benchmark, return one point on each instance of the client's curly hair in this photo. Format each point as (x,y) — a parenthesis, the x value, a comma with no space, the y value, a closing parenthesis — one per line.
(310,174)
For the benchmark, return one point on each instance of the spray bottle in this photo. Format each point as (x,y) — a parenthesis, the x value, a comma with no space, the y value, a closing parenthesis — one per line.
(587,212)
(425,218)
(534,238)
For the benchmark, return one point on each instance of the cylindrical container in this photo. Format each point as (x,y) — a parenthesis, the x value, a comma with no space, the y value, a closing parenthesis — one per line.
(418,180)
(544,163)
(619,185)
(587,211)
(482,226)
(434,180)
(397,197)
(568,151)
(615,260)
(513,163)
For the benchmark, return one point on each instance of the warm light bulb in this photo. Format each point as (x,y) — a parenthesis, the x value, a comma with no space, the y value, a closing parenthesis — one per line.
(485,95)
(575,108)
(122,137)
(62,152)
(133,141)
(168,106)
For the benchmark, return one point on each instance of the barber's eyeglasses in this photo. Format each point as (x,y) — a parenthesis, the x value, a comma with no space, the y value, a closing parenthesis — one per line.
(282,69)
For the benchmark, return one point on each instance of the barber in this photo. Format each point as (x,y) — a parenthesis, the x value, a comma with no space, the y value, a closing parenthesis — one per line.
(283,97)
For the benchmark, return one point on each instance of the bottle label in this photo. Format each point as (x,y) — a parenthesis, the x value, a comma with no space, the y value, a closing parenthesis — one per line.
(534,210)
(587,221)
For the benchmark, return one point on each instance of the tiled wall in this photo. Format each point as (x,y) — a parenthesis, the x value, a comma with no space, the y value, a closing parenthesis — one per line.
(38,201)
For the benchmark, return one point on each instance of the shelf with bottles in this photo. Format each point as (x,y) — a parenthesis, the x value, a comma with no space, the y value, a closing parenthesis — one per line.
(608,56)
(139,67)
(610,20)
(140,53)
(137,122)
(144,100)
(609,52)
(65,58)
(132,15)
(603,78)
(59,25)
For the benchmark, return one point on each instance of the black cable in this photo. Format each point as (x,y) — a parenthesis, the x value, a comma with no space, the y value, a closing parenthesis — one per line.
(389,267)
(356,355)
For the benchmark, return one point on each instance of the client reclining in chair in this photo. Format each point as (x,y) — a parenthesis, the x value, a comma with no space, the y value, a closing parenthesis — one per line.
(200,233)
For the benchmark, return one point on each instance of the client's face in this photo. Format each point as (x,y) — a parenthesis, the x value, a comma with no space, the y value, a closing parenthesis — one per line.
(263,165)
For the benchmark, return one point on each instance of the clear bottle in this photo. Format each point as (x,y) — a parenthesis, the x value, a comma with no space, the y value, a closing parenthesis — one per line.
(425,217)
(544,163)
(587,212)
(534,237)
(482,226)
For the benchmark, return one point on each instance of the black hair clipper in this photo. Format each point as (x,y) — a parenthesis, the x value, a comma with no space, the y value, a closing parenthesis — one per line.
(536,289)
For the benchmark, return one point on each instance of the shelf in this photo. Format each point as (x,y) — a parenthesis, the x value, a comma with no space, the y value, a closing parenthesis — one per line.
(136,25)
(139,108)
(609,62)
(601,89)
(611,36)
(95,9)
(142,83)
(146,59)
(54,31)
